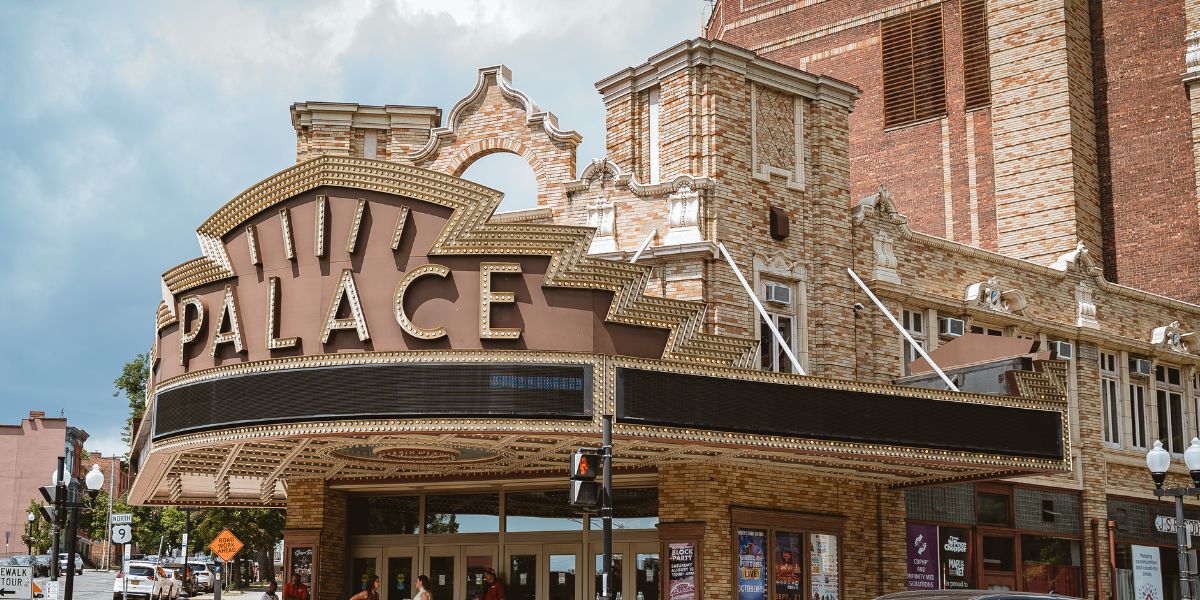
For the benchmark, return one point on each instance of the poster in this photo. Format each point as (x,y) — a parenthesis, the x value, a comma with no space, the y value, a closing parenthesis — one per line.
(789,566)
(752,572)
(922,557)
(955,562)
(302,564)
(1147,573)
(681,571)
(823,566)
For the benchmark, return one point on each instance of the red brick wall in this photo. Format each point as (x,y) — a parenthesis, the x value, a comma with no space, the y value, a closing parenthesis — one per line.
(1150,185)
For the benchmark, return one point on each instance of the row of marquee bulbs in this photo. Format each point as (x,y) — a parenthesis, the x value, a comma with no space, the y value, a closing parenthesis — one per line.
(1159,461)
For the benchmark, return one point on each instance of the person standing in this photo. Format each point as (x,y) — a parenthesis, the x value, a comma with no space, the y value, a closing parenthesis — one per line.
(371,592)
(270,593)
(422,587)
(295,589)
(495,590)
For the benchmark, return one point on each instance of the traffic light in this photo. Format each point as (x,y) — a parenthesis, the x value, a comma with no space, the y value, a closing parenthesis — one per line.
(48,510)
(586,492)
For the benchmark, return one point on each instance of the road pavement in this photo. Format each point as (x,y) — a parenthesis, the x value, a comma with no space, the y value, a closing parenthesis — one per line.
(98,585)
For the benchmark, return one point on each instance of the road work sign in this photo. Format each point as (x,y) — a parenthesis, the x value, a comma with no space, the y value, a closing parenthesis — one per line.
(16,583)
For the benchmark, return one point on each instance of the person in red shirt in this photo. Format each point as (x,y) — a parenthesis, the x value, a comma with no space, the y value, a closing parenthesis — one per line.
(495,589)
(295,589)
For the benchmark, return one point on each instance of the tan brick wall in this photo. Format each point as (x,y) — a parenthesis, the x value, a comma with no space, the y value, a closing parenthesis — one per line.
(312,505)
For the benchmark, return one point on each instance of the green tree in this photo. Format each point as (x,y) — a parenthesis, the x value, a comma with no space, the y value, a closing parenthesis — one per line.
(259,529)
(37,536)
(132,383)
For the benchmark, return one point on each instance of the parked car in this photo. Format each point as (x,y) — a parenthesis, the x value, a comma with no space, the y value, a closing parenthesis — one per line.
(62,563)
(175,571)
(971,595)
(41,565)
(22,560)
(144,580)
(204,576)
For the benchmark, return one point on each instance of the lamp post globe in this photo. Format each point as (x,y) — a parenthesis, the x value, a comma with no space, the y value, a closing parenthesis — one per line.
(1158,460)
(1191,457)
(54,477)
(95,478)
(31,517)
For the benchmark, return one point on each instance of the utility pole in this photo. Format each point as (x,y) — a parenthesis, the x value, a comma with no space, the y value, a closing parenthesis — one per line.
(606,511)
(108,536)
(60,493)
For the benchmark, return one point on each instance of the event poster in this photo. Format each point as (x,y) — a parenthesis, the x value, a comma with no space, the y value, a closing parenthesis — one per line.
(302,564)
(752,572)
(1147,573)
(922,557)
(823,566)
(954,543)
(789,566)
(681,571)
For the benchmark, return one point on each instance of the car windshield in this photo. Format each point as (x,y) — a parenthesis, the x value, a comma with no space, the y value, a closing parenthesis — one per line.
(23,560)
(140,570)
(198,567)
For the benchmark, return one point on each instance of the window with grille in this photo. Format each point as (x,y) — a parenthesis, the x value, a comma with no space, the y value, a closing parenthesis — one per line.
(1168,396)
(1110,383)
(914,324)
(976,74)
(914,74)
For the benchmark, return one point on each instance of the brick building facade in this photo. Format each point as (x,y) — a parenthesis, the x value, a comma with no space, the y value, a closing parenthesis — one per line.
(1062,120)
(730,461)
(29,453)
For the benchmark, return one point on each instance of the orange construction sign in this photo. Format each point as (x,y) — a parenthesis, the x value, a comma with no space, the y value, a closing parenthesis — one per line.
(226,545)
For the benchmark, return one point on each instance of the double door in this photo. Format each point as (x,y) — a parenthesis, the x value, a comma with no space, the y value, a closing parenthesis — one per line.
(455,572)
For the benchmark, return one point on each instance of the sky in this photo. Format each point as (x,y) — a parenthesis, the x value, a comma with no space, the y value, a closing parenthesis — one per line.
(123,125)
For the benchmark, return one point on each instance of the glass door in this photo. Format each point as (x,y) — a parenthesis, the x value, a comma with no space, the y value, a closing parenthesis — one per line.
(999,561)
(441,563)
(364,564)
(398,576)
(456,572)
(563,571)
(646,582)
(617,580)
(522,573)
(476,560)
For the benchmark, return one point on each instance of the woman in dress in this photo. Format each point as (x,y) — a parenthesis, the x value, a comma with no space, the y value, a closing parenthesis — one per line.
(422,587)
(371,592)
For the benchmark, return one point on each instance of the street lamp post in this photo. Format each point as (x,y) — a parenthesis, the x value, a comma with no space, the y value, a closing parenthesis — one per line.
(1159,461)
(29,533)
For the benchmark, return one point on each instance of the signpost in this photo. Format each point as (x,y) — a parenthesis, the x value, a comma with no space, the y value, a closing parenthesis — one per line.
(225,546)
(16,583)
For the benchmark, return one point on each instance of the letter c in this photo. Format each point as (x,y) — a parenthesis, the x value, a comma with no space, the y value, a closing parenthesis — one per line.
(407,325)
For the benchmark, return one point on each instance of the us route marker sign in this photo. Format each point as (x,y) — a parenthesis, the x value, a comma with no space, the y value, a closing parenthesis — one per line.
(16,583)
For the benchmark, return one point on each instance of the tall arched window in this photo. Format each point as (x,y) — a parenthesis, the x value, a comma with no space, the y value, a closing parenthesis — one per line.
(508,173)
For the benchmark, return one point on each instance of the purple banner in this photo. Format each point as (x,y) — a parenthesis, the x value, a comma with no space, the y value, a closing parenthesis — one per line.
(922,557)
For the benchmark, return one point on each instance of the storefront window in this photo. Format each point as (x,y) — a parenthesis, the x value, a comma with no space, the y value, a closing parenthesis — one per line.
(1052,565)
(381,515)
(998,553)
(994,510)
(633,508)
(462,513)
(789,566)
(823,566)
(779,557)
(540,511)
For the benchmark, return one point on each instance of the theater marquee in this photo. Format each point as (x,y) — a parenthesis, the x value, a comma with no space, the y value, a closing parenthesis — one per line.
(353,318)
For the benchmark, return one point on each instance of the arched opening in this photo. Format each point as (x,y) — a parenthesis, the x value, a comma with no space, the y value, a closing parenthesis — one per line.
(508,173)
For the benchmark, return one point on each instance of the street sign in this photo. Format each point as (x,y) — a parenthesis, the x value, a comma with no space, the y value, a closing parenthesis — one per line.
(128,551)
(51,591)
(16,583)
(122,534)
(226,545)
(122,519)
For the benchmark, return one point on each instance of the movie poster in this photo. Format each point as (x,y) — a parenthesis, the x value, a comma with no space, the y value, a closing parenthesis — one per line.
(789,566)
(302,563)
(922,557)
(681,571)
(823,566)
(752,572)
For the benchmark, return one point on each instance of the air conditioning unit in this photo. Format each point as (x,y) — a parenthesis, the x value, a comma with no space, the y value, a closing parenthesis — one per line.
(1061,350)
(951,327)
(1139,366)
(780,294)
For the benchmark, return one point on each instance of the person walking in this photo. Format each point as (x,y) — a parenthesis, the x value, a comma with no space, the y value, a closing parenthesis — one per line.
(495,590)
(371,592)
(422,587)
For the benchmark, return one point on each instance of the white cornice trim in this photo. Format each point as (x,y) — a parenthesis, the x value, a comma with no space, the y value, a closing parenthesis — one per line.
(602,167)
(701,249)
(705,52)
(349,114)
(503,76)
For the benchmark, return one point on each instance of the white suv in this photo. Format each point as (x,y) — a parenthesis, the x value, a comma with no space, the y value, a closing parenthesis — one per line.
(144,580)
(204,577)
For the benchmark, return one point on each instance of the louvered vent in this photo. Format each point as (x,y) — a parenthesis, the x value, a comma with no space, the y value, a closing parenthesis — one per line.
(914,74)
(976,76)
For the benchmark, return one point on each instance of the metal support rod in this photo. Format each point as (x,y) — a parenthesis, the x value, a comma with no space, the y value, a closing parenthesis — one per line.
(887,313)
(72,529)
(645,244)
(187,541)
(112,470)
(60,491)
(1185,581)
(606,510)
(762,311)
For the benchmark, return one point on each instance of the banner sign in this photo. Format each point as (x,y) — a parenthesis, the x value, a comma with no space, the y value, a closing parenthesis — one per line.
(752,572)
(823,565)
(681,571)
(1147,573)
(1166,524)
(922,541)
(955,551)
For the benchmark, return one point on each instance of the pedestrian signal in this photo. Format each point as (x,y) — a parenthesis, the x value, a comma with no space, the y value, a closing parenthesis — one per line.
(586,492)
